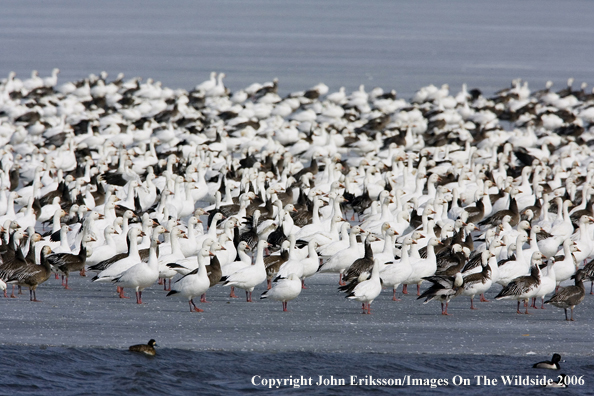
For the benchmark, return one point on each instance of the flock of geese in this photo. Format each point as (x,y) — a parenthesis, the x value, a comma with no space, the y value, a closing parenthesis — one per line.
(138,184)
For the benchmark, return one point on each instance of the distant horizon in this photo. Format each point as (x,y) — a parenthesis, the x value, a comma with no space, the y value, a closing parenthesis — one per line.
(392,45)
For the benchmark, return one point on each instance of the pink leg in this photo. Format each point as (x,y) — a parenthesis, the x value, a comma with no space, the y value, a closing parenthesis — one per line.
(472,303)
(404,289)
(66,287)
(340,282)
(518,310)
(193,307)
(83,272)
(121,292)
(284,306)
(203,298)
(483,299)
(394,296)
(526,306)
(533,305)
(233,295)
(418,289)
(268,284)
(303,284)
(542,303)
(12,293)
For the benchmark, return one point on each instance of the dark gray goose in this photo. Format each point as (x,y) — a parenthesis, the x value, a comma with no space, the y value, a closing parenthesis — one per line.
(32,275)
(570,296)
(361,267)
(65,263)
(443,288)
(524,287)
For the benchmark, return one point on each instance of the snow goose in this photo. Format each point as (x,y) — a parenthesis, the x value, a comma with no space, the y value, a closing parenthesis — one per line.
(547,284)
(195,283)
(248,278)
(141,275)
(275,261)
(396,272)
(567,267)
(362,266)
(422,268)
(512,269)
(110,268)
(478,283)
(303,268)
(584,243)
(365,291)
(570,296)
(335,247)
(524,287)
(176,254)
(564,227)
(443,288)
(105,251)
(285,290)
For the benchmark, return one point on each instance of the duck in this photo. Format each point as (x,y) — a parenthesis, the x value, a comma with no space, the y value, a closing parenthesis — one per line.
(570,296)
(284,290)
(194,283)
(147,349)
(552,364)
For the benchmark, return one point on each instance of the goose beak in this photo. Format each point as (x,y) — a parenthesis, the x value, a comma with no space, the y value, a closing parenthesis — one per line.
(211,254)
(223,248)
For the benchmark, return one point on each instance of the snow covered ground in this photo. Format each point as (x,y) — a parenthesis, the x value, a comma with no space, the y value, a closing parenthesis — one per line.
(320,320)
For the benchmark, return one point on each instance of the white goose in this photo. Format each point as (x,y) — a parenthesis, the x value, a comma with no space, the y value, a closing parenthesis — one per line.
(398,271)
(194,283)
(250,277)
(141,275)
(339,262)
(284,290)
(422,268)
(368,290)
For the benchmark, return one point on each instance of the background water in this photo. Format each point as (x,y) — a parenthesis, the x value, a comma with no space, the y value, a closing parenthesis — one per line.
(75,371)
(398,45)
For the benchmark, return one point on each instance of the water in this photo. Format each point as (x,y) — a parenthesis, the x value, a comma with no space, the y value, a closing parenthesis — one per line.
(91,371)
(392,44)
